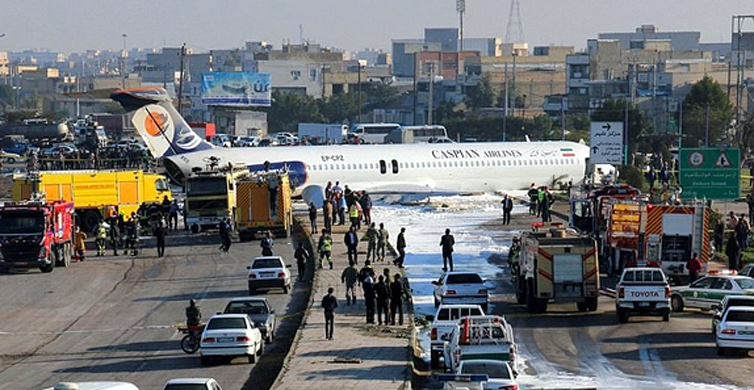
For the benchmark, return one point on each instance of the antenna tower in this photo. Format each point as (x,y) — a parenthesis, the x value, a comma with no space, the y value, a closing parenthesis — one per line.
(514,33)
(461,9)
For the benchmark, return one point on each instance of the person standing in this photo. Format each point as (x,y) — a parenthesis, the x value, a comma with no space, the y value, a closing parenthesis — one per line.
(313,217)
(114,234)
(325,248)
(224,235)
(533,195)
(742,233)
(79,244)
(400,246)
(159,234)
(101,238)
(366,207)
(446,242)
(327,214)
(382,239)
(544,207)
(368,285)
(507,208)
(301,255)
(329,304)
(382,294)
(342,208)
(396,299)
(353,215)
(272,186)
(733,251)
(750,203)
(350,277)
(694,265)
(173,215)
(732,221)
(372,237)
(267,243)
(351,239)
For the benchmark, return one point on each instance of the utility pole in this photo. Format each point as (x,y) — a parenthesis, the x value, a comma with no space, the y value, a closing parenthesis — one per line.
(123,61)
(461,9)
(505,108)
(180,81)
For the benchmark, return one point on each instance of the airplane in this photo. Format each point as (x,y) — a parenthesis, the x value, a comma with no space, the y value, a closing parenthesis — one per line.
(445,168)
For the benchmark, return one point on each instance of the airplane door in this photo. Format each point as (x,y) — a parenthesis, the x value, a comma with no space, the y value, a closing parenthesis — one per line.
(395,166)
(383,167)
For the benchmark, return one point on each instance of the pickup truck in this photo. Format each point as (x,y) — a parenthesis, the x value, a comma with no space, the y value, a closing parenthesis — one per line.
(443,322)
(481,337)
(642,291)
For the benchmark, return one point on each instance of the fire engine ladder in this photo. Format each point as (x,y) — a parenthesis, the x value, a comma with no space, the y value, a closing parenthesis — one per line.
(698,225)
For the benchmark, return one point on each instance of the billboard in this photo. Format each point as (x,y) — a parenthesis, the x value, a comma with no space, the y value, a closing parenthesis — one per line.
(236,89)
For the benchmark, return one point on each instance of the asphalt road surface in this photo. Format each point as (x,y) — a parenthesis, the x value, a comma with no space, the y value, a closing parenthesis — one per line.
(113,318)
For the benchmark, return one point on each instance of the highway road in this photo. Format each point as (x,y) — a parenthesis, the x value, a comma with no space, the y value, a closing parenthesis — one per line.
(113,318)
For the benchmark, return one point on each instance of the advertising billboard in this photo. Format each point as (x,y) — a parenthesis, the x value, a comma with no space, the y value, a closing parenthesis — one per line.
(236,89)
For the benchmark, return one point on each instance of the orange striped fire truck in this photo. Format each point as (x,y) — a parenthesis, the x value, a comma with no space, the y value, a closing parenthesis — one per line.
(263,203)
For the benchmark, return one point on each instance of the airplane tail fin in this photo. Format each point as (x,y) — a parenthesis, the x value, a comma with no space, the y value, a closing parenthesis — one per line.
(159,124)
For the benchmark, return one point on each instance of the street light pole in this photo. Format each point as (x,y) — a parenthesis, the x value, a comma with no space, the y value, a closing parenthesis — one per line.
(359,95)
(123,61)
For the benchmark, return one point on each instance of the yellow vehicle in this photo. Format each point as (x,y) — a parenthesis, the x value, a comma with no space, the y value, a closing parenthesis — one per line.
(211,196)
(95,193)
(264,203)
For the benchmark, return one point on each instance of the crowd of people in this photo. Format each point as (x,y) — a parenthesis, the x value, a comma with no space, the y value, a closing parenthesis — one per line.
(540,202)
(109,157)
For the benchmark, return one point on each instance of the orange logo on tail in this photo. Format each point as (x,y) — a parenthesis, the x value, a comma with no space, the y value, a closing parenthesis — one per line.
(155,123)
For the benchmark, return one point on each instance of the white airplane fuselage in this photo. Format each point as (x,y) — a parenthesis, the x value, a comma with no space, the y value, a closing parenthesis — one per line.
(455,167)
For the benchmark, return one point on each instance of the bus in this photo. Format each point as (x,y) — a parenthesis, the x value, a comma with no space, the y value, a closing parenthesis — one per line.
(416,134)
(373,133)
(211,196)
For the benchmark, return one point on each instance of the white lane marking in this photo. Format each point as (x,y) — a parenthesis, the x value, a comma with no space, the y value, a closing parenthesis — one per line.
(84,331)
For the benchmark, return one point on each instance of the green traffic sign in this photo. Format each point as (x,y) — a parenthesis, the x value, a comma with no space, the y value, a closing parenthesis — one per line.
(710,173)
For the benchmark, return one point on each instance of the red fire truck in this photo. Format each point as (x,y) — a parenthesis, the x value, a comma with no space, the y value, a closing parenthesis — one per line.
(36,234)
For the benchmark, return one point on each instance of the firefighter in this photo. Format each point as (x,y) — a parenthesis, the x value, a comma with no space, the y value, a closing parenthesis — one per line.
(79,244)
(101,238)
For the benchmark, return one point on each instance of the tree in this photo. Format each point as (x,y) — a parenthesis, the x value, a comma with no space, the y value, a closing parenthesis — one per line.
(288,109)
(481,95)
(381,95)
(706,114)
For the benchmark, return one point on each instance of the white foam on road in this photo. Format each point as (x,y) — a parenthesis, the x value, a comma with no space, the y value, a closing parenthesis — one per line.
(465,216)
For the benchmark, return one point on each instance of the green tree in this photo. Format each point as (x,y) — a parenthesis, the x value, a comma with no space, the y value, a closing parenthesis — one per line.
(705,104)
(481,95)
(381,95)
(288,109)
(339,108)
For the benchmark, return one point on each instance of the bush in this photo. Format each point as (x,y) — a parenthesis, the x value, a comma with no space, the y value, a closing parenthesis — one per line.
(633,176)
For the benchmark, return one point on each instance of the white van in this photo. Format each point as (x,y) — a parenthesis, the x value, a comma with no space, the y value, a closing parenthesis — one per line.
(104,385)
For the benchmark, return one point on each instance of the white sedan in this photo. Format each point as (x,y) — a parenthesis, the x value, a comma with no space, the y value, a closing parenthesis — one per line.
(231,335)
(499,374)
(461,288)
(192,384)
(736,330)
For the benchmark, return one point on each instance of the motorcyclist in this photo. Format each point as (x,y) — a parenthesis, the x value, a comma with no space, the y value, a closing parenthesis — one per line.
(193,315)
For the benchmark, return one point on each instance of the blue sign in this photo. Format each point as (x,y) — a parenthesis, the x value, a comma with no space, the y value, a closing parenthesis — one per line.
(236,89)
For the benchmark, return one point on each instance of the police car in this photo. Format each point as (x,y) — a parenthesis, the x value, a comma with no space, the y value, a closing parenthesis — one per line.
(707,292)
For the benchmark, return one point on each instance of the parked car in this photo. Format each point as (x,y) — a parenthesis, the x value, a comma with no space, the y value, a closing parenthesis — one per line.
(57,150)
(710,290)
(259,310)
(248,141)
(9,157)
(748,270)
(499,374)
(728,301)
(269,272)
(268,142)
(192,384)
(461,287)
(736,330)
(230,335)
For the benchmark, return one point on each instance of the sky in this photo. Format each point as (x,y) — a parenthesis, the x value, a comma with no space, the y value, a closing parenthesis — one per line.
(77,25)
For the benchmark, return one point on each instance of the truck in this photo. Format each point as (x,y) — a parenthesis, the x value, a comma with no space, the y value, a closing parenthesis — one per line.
(97,194)
(38,129)
(203,129)
(89,133)
(672,234)
(322,133)
(557,265)
(256,194)
(626,221)
(480,337)
(36,234)
(211,196)
(642,291)
(443,323)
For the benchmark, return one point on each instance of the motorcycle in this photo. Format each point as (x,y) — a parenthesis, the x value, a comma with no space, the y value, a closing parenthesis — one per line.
(193,334)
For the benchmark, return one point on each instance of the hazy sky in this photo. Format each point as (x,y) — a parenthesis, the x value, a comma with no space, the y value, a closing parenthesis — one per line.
(76,25)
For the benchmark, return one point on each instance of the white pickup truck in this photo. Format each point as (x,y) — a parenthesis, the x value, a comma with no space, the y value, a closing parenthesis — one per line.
(443,322)
(642,291)
(481,337)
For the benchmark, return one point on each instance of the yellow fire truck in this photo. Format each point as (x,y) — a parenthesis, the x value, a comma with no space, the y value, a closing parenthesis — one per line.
(263,201)
(95,193)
